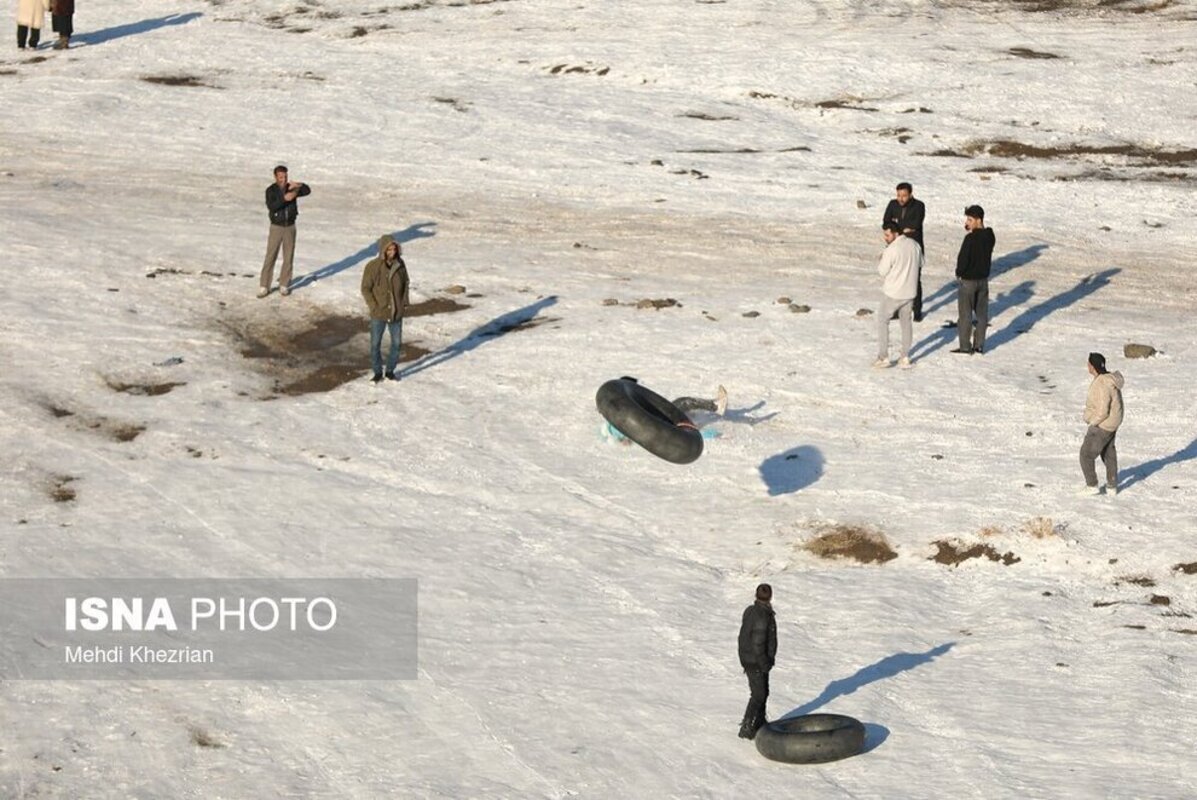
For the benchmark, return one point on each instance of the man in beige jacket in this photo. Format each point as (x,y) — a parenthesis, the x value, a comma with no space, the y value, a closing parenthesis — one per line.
(1103,414)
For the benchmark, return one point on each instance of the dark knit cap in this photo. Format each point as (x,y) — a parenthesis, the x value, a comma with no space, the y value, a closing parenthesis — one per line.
(1098,361)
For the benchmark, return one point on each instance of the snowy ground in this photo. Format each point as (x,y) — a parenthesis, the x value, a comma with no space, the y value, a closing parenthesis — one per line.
(579,601)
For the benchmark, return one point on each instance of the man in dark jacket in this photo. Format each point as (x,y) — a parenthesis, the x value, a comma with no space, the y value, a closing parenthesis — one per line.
(908,213)
(758,650)
(385,290)
(280,200)
(972,273)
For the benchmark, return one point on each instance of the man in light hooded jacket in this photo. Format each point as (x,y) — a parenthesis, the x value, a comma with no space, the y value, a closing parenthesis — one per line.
(899,267)
(385,290)
(1103,414)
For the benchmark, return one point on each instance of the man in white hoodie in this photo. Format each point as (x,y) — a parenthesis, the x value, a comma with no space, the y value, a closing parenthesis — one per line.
(899,267)
(1103,414)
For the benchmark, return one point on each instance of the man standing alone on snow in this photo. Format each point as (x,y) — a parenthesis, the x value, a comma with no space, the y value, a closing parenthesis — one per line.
(385,290)
(899,269)
(281,201)
(972,274)
(758,651)
(1103,414)
(908,214)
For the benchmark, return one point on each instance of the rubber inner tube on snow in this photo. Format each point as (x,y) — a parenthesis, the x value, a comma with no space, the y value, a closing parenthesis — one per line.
(649,420)
(811,739)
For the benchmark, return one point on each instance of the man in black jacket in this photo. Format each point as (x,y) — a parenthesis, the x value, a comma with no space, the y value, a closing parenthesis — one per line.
(972,272)
(908,213)
(281,201)
(758,650)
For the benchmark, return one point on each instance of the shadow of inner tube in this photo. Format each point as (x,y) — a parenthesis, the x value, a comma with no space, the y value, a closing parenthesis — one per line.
(649,420)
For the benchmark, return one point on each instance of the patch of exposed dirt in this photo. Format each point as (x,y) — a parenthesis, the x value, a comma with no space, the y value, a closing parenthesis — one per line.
(113,429)
(179,80)
(204,738)
(454,103)
(310,351)
(1139,155)
(707,117)
(1135,580)
(849,541)
(60,490)
(434,305)
(142,389)
(1187,569)
(1026,52)
(582,69)
(953,553)
(848,103)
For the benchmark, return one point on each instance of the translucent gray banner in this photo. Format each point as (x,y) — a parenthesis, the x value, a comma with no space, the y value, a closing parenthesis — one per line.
(208,629)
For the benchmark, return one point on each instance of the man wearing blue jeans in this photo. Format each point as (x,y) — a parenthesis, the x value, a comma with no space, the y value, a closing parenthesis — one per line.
(385,290)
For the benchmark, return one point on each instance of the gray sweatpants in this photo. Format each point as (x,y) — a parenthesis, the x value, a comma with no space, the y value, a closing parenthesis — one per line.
(972,296)
(284,236)
(905,309)
(1099,442)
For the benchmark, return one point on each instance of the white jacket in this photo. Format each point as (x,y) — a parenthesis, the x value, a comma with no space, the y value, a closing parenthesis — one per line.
(899,268)
(32,13)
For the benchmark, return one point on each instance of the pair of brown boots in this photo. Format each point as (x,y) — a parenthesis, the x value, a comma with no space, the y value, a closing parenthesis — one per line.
(63,43)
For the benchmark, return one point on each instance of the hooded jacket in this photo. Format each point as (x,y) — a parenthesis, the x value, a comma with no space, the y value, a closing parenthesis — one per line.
(758,636)
(1103,406)
(976,255)
(385,284)
(899,268)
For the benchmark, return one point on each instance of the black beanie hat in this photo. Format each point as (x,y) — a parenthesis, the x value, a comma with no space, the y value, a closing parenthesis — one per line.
(1098,361)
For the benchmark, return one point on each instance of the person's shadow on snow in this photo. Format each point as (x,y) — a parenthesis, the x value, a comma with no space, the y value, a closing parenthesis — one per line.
(1141,472)
(1028,318)
(133,28)
(795,469)
(1011,261)
(887,667)
(500,325)
(410,233)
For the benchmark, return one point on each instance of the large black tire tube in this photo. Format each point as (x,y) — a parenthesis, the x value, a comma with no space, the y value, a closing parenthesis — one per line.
(811,739)
(649,420)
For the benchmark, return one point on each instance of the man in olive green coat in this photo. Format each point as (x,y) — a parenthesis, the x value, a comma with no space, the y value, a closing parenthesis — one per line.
(385,290)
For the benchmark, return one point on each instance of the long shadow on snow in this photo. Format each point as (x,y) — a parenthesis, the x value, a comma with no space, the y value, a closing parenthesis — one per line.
(795,469)
(408,234)
(1023,323)
(887,667)
(498,326)
(1142,472)
(1011,261)
(134,28)
(1027,319)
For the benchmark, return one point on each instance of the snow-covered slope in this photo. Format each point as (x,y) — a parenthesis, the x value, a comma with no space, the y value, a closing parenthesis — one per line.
(579,601)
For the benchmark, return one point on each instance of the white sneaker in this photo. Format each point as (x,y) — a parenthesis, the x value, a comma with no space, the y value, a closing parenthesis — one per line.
(1111,490)
(284,291)
(904,363)
(881,363)
(721,401)
(263,292)
(1088,491)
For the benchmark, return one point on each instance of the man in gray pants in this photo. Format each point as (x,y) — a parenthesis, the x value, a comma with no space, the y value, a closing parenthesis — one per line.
(972,273)
(1103,414)
(281,201)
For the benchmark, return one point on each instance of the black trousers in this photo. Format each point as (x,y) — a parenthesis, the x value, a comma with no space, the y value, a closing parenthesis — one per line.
(758,687)
(34,35)
(62,24)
